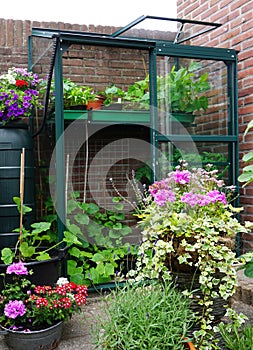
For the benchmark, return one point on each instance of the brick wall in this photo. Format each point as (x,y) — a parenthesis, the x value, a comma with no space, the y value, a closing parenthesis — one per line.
(235,33)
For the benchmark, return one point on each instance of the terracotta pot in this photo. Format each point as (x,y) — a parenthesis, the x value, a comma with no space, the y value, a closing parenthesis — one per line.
(97,104)
(189,346)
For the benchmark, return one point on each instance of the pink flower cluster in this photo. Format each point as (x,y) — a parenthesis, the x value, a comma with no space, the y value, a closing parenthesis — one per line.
(17,268)
(14,308)
(194,199)
(183,185)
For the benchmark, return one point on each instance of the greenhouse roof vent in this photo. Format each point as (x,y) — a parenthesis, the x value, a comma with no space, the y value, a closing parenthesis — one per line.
(183,29)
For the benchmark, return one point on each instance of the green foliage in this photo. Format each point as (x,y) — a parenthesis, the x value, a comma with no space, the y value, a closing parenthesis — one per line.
(111,94)
(247,173)
(185,89)
(29,242)
(138,317)
(181,89)
(247,261)
(137,95)
(218,160)
(236,337)
(74,94)
(95,241)
(33,244)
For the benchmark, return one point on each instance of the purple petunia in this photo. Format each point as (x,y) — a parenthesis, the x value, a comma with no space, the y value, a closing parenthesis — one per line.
(14,308)
(17,268)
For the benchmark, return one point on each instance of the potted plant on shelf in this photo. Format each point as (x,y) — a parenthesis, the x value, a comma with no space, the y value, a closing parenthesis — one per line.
(188,232)
(183,92)
(31,316)
(114,96)
(137,95)
(76,96)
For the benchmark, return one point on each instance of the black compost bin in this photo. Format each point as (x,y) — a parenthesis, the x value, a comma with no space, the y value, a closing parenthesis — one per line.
(13,137)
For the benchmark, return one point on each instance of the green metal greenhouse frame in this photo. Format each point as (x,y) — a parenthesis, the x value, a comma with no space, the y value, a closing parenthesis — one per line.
(64,39)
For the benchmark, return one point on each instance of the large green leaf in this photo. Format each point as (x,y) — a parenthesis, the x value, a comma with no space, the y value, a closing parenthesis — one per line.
(78,278)
(39,227)
(26,250)
(70,238)
(25,209)
(43,256)
(82,218)
(7,255)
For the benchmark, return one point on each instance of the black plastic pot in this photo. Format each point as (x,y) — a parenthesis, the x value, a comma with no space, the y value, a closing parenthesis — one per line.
(45,272)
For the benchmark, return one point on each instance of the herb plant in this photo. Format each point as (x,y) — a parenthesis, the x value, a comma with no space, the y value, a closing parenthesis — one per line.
(154,316)
(236,334)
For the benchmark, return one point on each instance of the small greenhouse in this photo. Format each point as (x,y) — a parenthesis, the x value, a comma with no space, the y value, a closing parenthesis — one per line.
(163,100)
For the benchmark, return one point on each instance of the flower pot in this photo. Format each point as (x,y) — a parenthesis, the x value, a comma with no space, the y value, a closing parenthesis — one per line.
(96,104)
(190,281)
(189,345)
(45,272)
(44,339)
(184,118)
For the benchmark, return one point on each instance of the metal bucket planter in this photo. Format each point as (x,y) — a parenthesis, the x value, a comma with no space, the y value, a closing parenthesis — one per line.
(44,339)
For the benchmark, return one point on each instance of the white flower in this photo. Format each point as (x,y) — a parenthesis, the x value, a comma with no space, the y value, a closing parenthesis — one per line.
(61,281)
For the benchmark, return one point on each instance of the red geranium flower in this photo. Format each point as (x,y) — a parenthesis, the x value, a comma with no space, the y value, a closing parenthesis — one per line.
(21,83)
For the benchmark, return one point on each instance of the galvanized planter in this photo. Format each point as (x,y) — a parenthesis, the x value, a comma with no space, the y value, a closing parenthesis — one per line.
(45,339)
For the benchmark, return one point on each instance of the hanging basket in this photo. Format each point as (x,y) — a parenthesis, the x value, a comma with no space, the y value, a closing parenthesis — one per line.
(45,339)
